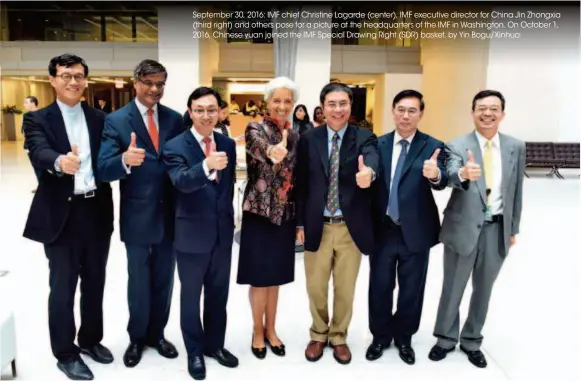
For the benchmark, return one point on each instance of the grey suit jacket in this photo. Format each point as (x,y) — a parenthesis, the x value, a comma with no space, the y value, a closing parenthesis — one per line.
(464,214)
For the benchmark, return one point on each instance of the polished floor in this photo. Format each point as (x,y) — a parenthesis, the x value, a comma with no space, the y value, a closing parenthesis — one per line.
(533,331)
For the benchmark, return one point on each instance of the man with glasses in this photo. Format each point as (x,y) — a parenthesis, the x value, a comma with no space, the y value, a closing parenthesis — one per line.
(406,223)
(71,214)
(133,140)
(201,164)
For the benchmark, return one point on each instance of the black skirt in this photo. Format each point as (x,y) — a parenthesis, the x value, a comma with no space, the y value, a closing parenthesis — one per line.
(267,252)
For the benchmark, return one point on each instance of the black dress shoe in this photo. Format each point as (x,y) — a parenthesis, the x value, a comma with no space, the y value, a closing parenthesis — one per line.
(99,353)
(475,357)
(165,348)
(438,353)
(197,367)
(76,369)
(375,351)
(406,353)
(278,350)
(224,357)
(132,355)
(260,353)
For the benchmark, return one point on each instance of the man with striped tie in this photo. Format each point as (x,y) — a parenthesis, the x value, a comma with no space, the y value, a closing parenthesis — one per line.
(133,139)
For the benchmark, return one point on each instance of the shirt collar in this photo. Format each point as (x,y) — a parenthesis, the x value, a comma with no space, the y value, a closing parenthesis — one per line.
(482,140)
(397,138)
(199,136)
(68,109)
(341,132)
(143,109)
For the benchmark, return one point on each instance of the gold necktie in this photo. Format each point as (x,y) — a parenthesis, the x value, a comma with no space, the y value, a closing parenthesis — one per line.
(488,166)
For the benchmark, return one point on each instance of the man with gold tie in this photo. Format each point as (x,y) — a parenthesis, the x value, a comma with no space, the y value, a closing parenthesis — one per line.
(480,224)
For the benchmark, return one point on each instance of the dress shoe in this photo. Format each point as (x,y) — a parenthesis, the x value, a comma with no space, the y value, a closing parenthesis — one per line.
(314,350)
(277,350)
(375,351)
(76,369)
(132,355)
(475,357)
(224,357)
(438,353)
(197,367)
(165,348)
(260,353)
(341,353)
(406,353)
(99,353)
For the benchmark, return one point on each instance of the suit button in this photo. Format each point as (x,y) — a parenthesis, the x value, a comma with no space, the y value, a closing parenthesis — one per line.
(69,199)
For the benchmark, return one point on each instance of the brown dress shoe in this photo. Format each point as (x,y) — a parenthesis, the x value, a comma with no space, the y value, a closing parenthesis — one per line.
(314,350)
(342,354)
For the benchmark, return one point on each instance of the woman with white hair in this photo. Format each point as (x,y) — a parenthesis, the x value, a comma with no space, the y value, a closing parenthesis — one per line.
(267,243)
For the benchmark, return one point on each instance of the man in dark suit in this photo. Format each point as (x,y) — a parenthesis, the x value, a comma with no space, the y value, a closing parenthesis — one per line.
(336,165)
(201,164)
(406,223)
(71,214)
(133,139)
(31,105)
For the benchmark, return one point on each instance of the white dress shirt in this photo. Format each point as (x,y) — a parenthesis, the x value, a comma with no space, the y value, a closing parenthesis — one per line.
(200,139)
(397,151)
(495,192)
(143,112)
(78,134)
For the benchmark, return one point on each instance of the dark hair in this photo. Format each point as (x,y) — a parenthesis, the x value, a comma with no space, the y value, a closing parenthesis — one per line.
(66,60)
(409,94)
(335,87)
(223,104)
(306,119)
(202,92)
(488,93)
(148,67)
(32,99)
(315,111)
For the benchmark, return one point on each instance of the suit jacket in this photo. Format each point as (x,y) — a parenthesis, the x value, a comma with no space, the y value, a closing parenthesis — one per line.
(419,216)
(204,210)
(47,139)
(147,197)
(465,212)
(312,183)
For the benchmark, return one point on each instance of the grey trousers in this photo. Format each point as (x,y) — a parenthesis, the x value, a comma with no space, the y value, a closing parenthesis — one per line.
(483,264)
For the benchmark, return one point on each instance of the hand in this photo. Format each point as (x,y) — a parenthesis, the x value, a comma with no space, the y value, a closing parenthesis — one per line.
(134,156)
(217,160)
(365,174)
(512,240)
(471,171)
(300,236)
(431,170)
(70,163)
(279,151)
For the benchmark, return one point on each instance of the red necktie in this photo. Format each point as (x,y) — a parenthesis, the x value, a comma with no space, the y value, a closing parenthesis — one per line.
(152,128)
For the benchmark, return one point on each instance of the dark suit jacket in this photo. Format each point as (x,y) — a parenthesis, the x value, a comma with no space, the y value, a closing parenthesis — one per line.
(204,211)
(46,137)
(147,200)
(312,182)
(419,216)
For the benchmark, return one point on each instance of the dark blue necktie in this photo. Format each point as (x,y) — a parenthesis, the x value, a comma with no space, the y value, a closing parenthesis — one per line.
(393,206)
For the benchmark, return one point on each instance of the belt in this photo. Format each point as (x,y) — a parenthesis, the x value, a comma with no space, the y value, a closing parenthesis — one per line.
(333,220)
(89,194)
(495,219)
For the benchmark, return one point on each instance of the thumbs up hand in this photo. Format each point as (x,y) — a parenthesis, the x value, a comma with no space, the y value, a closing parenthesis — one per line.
(471,171)
(134,156)
(217,160)
(364,175)
(431,170)
(71,162)
(278,152)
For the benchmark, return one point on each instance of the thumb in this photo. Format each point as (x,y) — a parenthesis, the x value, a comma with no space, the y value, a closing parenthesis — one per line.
(435,155)
(361,163)
(470,157)
(284,138)
(75,150)
(133,143)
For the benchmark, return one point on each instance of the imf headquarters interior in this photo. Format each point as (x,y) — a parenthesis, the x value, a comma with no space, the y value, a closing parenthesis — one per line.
(447,52)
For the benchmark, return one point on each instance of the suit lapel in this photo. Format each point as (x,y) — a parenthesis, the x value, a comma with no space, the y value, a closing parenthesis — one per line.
(196,149)
(323,148)
(136,122)
(418,144)
(163,124)
(386,148)
(347,145)
(94,134)
(474,146)
(507,158)
(58,129)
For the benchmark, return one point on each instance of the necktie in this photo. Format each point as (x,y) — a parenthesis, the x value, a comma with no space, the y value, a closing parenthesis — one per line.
(333,193)
(393,206)
(207,141)
(152,128)
(488,167)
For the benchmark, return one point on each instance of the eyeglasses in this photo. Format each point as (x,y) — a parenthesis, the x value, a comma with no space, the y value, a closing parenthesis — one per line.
(67,77)
(493,109)
(209,112)
(411,111)
(159,85)
(341,105)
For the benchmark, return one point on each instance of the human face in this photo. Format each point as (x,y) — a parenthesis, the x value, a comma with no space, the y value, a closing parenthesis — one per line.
(337,109)
(487,115)
(406,116)
(280,105)
(28,105)
(69,83)
(300,113)
(223,114)
(149,89)
(319,117)
(204,113)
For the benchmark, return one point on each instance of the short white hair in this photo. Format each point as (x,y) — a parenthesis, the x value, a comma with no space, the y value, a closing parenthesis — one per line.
(281,83)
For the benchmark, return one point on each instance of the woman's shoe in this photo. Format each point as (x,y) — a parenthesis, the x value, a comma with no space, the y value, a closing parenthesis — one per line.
(260,353)
(278,350)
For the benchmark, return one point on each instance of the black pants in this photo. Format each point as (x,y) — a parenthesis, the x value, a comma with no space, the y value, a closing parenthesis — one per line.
(393,258)
(150,287)
(80,251)
(212,272)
